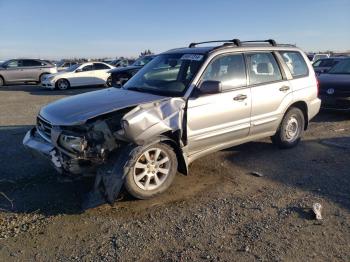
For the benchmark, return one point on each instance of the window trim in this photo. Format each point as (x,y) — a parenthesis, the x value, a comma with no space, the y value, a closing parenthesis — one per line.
(226,54)
(307,74)
(284,78)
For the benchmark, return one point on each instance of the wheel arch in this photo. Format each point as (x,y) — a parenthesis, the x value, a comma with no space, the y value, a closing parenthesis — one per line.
(3,79)
(171,139)
(61,79)
(304,108)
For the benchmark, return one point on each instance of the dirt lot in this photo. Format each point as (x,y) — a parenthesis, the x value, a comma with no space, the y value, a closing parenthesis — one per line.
(220,212)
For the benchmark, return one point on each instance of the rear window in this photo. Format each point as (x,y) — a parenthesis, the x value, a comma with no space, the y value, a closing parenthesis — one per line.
(295,63)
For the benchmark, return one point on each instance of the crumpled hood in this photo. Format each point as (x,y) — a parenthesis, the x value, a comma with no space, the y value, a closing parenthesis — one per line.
(78,109)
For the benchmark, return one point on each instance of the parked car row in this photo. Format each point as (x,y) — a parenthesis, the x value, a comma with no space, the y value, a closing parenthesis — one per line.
(66,74)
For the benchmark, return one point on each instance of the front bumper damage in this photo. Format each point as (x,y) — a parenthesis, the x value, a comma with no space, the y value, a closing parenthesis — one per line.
(108,145)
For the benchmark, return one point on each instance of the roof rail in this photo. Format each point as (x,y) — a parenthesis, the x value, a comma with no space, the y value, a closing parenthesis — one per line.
(270,41)
(236,42)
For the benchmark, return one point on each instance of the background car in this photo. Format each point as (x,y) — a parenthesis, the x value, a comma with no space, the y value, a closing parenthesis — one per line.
(86,74)
(121,75)
(335,87)
(25,70)
(324,64)
(64,65)
(121,62)
(314,57)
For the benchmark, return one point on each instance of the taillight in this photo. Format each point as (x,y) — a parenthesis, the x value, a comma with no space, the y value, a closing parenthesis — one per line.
(318,86)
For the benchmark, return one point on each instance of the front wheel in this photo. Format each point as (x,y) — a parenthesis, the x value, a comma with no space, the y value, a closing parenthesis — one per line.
(291,129)
(2,82)
(62,84)
(152,170)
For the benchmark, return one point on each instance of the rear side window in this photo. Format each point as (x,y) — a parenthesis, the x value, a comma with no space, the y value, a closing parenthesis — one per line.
(295,63)
(31,63)
(99,66)
(229,70)
(262,68)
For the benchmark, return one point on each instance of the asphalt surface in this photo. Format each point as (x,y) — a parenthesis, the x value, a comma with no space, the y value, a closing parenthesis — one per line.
(220,212)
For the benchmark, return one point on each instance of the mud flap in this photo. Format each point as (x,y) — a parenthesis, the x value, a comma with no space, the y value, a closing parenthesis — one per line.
(108,182)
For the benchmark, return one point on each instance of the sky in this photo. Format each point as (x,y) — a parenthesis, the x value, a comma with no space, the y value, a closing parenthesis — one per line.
(54,29)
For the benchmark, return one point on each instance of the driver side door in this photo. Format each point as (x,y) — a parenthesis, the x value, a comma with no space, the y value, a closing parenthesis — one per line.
(216,121)
(83,76)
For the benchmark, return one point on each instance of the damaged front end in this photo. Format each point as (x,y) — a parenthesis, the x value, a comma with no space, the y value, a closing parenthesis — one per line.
(99,146)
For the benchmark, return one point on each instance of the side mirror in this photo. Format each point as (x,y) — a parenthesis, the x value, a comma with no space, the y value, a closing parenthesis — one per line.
(210,87)
(78,71)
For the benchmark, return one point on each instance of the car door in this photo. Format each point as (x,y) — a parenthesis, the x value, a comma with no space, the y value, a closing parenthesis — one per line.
(32,69)
(82,76)
(218,120)
(270,90)
(14,71)
(100,72)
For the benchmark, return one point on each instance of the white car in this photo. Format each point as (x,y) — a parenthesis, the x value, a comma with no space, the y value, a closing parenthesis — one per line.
(86,74)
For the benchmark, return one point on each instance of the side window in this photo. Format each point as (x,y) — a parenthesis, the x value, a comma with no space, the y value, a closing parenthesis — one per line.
(229,69)
(295,63)
(14,64)
(263,68)
(99,66)
(87,68)
(29,63)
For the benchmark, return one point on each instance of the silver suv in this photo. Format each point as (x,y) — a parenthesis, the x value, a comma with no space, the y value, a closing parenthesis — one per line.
(25,70)
(184,104)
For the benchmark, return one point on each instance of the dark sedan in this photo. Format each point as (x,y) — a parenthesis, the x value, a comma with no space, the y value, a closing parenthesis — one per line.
(119,76)
(335,87)
(324,64)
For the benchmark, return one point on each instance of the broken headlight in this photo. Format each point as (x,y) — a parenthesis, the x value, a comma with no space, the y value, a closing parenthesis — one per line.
(72,143)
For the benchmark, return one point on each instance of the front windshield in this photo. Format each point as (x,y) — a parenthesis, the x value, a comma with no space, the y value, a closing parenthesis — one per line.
(342,67)
(142,61)
(72,68)
(167,74)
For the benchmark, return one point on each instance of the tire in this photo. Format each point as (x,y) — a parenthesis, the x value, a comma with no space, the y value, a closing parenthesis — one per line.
(41,77)
(109,81)
(62,84)
(147,178)
(291,129)
(2,82)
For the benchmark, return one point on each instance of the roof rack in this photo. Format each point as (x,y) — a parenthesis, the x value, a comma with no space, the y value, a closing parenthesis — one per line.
(270,41)
(236,42)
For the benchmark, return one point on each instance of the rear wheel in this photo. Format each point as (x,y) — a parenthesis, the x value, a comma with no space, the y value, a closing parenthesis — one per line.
(152,170)
(42,77)
(291,129)
(62,84)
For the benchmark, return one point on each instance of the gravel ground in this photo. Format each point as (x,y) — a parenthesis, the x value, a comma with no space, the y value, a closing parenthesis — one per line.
(220,212)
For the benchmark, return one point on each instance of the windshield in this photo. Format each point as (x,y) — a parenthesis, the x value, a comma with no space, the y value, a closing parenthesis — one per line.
(342,67)
(168,74)
(72,68)
(142,61)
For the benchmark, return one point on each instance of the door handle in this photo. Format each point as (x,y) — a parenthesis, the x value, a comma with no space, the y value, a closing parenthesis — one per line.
(284,88)
(240,98)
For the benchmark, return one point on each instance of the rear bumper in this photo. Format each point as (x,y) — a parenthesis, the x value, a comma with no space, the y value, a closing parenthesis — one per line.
(335,103)
(314,107)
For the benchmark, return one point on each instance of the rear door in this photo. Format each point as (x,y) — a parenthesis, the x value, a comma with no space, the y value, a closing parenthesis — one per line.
(216,120)
(271,92)
(100,73)
(33,69)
